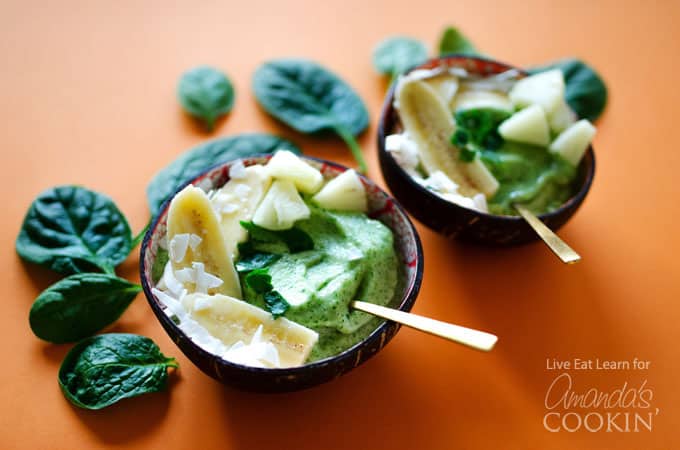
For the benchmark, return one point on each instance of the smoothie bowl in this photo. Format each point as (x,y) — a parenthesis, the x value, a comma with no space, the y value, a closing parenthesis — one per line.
(251,268)
(463,140)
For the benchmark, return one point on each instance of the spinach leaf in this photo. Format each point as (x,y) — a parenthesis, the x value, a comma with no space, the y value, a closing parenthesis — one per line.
(80,305)
(396,54)
(255,260)
(206,93)
(206,155)
(275,303)
(71,229)
(585,91)
(295,239)
(310,99)
(259,281)
(101,370)
(453,41)
(162,258)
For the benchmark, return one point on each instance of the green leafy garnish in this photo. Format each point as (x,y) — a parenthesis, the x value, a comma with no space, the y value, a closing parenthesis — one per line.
(102,370)
(311,99)
(80,305)
(396,54)
(259,281)
(585,91)
(275,303)
(453,42)
(198,159)
(467,154)
(71,229)
(477,129)
(162,258)
(294,238)
(255,260)
(206,93)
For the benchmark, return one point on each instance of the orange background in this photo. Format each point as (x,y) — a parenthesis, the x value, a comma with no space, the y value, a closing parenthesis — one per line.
(87,95)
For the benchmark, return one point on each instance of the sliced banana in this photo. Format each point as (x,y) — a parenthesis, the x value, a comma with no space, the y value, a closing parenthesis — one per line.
(191,214)
(430,123)
(231,320)
(237,201)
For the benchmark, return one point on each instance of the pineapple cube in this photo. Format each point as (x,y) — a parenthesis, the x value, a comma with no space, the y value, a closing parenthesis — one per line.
(285,165)
(573,142)
(281,207)
(545,89)
(344,192)
(528,125)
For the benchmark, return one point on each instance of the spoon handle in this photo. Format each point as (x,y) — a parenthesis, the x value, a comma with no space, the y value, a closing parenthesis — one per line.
(472,338)
(553,241)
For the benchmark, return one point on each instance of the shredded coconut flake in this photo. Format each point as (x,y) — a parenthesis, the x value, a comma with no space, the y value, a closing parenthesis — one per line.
(241,191)
(237,171)
(178,246)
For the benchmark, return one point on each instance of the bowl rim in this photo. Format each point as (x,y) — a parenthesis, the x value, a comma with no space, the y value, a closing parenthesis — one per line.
(406,303)
(574,200)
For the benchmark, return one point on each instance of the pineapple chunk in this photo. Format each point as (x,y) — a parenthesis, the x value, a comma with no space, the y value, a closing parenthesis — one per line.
(545,89)
(528,125)
(573,142)
(285,165)
(281,207)
(483,99)
(561,118)
(344,192)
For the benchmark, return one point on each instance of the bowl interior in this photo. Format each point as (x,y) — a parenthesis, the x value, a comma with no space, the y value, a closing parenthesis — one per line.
(483,67)
(381,207)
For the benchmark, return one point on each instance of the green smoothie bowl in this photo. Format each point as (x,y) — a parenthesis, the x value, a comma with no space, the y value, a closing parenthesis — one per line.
(251,269)
(463,142)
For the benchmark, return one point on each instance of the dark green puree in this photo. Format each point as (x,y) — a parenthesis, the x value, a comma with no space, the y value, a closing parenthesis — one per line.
(527,174)
(352,258)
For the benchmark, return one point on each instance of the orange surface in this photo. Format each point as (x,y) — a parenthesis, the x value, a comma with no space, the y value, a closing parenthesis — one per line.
(87,95)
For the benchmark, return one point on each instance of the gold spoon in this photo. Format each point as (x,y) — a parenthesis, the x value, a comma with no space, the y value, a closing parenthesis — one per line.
(557,245)
(479,340)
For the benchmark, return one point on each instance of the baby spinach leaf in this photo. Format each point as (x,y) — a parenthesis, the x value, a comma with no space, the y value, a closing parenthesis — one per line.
(259,281)
(585,91)
(206,155)
(162,258)
(101,370)
(206,93)
(71,229)
(275,303)
(453,41)
(396,54)
(256,260)
(295,239)
(310,99)
(80,305)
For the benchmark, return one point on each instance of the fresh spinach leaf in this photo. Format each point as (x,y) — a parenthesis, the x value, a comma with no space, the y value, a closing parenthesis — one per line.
(162,258)
(255,260)
(71,229)
(295,239)
(259,281)
(101,370)
(206,155)
(396,54)
(453,42)
(311,99)
(206,93)
(275,303)
(80,305)
(585,90)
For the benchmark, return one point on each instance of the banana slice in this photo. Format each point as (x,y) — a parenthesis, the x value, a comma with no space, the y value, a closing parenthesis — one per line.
(231,320)
(192,219)
(237,201)
(430,123)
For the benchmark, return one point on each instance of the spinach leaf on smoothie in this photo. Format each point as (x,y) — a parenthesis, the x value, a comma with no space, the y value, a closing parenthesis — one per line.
(198,159)
(102,370)
(71,229)
(206,93)
(80,305)
(311,99)
(294,238)
(276,304)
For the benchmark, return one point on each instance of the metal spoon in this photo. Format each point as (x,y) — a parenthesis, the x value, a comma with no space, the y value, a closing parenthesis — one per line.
(557,245)
(479,340)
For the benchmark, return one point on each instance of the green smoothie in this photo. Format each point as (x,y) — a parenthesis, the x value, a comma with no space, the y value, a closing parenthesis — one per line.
(353,258)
